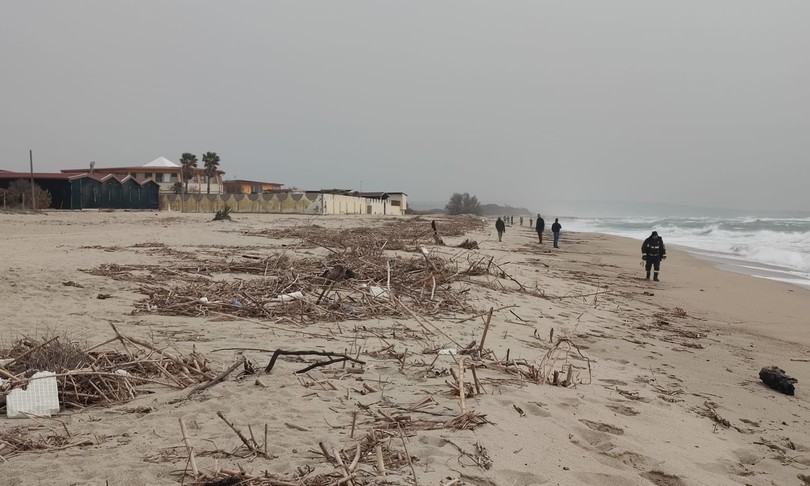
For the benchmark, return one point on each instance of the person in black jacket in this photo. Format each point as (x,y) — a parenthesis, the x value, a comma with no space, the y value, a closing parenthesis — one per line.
(500,227)
(555,230)
(541,226)
(652,252)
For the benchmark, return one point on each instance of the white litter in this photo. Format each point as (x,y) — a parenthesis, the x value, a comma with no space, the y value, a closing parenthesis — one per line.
(204,300)
(447,351)
(378,292)
(41,398)
(122,373)
(290,296)
(424,251)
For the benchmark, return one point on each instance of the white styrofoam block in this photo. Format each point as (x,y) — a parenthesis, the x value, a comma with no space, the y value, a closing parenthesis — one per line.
(41,398)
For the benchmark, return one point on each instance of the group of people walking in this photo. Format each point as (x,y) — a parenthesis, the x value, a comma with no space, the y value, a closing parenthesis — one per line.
(653,251)
(540,227)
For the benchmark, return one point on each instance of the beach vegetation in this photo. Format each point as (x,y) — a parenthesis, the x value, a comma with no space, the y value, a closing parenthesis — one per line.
(188,162)
(210,164)
(223,214)
(18,195)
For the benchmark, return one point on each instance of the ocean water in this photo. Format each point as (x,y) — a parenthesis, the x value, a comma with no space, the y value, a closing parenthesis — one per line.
(773,248)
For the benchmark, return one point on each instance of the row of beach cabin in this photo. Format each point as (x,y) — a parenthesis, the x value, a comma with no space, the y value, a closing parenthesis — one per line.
(91,190)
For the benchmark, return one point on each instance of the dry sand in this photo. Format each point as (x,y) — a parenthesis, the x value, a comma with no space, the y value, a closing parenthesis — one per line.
(661,354)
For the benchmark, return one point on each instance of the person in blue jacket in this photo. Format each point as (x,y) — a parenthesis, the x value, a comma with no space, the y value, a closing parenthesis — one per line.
(555,230)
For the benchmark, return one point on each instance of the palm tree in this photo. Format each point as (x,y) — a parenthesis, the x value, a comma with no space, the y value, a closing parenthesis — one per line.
(189,162)
(210,164)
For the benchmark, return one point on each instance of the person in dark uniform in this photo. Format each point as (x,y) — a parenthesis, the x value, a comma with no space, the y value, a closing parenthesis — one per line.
(555,230)
(652,252)
(500,227)
(541,226)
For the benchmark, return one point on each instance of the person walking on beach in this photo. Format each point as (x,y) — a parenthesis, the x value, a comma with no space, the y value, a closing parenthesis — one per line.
(652,252)
(555,230)
(541,226)
(501,228)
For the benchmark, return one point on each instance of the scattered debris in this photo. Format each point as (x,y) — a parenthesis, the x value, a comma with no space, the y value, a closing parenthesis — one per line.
(709,411)
(17,440)
(469,245)
(39,398)
(88,377)
(223,214)
(333,358)
(331,288)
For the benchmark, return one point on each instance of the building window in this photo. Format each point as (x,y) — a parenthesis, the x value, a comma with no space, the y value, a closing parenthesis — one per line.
(396,203)
(159,177)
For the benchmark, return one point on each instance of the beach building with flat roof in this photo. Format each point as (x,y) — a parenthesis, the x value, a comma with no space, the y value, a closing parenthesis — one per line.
(394,202)
(241,186)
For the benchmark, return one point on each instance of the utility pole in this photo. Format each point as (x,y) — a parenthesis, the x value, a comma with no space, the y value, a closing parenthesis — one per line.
(33,197)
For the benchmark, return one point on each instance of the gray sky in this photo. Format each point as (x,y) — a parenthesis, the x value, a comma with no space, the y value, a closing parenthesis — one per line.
(529,103)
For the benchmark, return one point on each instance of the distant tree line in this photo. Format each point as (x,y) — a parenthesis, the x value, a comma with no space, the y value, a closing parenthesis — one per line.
(463,204)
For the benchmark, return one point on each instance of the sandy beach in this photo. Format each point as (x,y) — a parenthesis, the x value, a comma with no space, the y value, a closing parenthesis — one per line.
(665,387)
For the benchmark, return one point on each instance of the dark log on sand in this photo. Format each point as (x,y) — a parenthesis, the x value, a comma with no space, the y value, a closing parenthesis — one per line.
(776,378)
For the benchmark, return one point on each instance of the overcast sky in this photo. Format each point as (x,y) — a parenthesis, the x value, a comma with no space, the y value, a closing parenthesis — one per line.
(529,103)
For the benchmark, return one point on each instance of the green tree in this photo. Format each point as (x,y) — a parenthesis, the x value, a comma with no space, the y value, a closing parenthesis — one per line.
(188,162)
(210,164)
(177,187)
(463,204)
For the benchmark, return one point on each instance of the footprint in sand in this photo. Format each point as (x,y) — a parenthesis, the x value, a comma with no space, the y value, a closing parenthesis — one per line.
(594,440)
(506,476)
(632,459)
(603,427)
(663,479)
(622,409)
(614,382)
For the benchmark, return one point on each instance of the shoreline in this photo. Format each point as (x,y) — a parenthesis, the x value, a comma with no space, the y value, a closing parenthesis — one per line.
(658,368)
(746,267)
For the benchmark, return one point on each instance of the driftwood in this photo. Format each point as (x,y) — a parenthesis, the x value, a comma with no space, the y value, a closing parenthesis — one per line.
(777,379)
(334,358)
(89,377)
(218,378)
(296,288)
(469,244)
